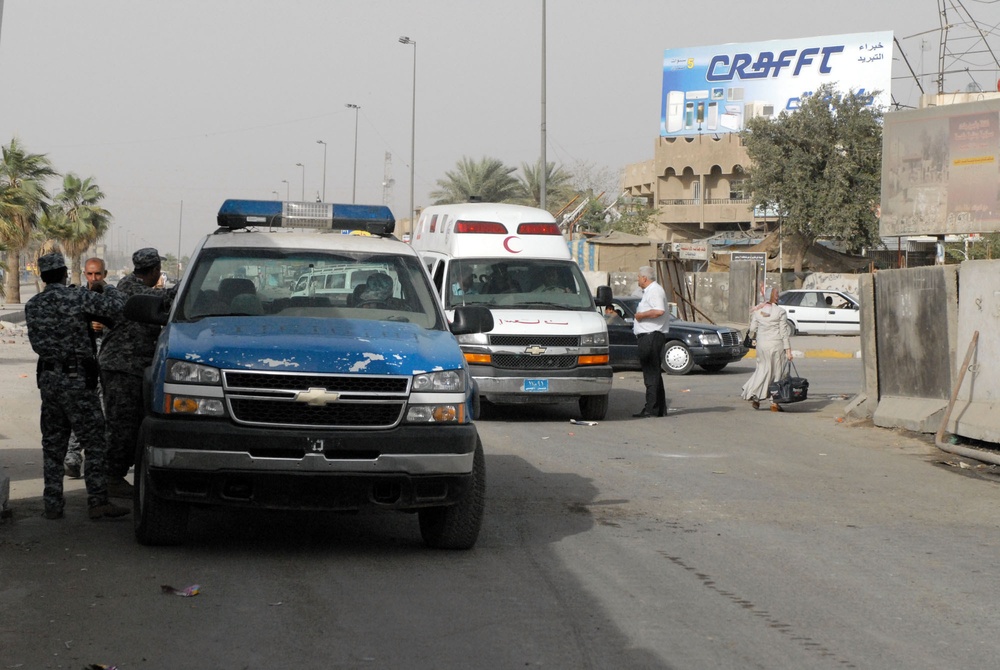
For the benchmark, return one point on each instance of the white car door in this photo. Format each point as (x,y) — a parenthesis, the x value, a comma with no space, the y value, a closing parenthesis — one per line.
(843,317)
(809,316)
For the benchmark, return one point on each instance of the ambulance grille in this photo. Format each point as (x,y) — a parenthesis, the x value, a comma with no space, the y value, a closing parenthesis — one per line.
(541,340)
(522,362)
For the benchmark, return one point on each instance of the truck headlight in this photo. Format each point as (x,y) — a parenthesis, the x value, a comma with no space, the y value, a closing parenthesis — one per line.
(478,339)
(186,372)
(446,381)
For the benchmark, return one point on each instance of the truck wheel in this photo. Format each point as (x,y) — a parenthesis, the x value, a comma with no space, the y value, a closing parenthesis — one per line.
(676,358)
(157,521)
(594,407)
(457,526)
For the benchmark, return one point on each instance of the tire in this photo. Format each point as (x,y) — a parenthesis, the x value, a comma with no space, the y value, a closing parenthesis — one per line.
(713,367)
(676,358)
(457,526)
(593,407)
(157,522)
(793,329)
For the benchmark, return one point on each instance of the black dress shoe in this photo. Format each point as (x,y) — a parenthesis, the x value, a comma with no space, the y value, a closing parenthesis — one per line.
(642,415)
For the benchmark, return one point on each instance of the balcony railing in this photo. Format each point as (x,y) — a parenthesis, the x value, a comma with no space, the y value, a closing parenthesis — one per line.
(708,201)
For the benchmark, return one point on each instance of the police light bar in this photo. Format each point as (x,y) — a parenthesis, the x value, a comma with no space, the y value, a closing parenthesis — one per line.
(373,219)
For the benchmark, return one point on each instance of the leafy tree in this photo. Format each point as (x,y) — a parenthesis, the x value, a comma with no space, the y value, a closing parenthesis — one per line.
(626,215)
(76,219)
(22,188)
(821,167)
(558,190)
(488,180)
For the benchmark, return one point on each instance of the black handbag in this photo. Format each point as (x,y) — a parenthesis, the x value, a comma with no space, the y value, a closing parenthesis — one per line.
(748,341)
(790,388)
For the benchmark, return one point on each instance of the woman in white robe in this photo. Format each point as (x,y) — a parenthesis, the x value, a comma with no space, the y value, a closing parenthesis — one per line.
(769,326)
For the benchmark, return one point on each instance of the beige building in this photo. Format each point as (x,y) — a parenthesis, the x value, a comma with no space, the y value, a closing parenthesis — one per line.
(697,183)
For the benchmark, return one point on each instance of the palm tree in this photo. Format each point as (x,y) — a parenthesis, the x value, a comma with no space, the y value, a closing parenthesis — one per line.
(488,180)
(22,177)
(558,190)
(76,220)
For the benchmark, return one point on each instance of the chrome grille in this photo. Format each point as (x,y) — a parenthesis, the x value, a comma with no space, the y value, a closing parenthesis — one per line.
(528,340)
(352,401)
(521,362)
(730,338)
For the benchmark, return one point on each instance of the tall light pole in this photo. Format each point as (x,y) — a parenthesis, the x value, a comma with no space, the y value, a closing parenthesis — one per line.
(324,167)
(413,125)
(303,180)
(354,186)
(285,182)
(277,196)
(543,166)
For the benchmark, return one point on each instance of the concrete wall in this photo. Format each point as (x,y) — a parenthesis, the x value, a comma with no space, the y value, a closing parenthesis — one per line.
(916,316)
(976,414)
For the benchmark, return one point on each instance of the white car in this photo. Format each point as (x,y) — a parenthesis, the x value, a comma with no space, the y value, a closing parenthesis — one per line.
(819,312)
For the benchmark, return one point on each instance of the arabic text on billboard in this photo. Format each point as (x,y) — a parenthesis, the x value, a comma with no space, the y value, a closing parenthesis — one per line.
(940,170)
(717,89)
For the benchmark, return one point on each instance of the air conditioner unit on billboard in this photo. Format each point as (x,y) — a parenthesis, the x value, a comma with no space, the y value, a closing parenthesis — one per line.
(757,108)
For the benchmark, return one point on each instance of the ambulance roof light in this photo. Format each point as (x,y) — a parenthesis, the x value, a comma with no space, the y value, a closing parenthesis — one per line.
(373,219)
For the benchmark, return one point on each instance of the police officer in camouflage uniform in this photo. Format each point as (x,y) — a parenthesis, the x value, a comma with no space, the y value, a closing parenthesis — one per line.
(94,270)
(57,320)
(127,349)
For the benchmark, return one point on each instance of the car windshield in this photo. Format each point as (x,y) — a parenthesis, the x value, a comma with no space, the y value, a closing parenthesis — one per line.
(283,283)
(517,284)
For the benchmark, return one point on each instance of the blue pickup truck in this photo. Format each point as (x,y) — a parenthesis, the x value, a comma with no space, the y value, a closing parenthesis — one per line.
(336,401)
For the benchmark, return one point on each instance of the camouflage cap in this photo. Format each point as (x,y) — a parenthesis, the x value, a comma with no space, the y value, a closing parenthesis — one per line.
(52,261)
(146,257)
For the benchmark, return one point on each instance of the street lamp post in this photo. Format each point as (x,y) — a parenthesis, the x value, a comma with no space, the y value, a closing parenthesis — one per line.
(303,180)
(276,195)
(354,185)
(413,123)
(285,182)
(324,167)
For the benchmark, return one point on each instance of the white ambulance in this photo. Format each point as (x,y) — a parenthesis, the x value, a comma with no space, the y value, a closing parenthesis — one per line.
(548,344)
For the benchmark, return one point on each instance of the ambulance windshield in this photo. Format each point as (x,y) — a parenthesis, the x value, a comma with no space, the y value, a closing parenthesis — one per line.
(517,284)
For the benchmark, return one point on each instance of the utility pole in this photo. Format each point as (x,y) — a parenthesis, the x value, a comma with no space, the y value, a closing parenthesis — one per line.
(387,180)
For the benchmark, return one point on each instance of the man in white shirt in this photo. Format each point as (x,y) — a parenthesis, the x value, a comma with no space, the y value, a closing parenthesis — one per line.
(651,323)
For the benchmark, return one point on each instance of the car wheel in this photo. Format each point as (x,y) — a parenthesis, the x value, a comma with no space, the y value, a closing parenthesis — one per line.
(794,330)
(713,367)
(594,407)
(676,358)
(457,526)
(156,521)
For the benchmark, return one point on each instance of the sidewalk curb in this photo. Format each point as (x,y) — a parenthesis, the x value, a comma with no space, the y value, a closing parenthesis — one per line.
(815,353)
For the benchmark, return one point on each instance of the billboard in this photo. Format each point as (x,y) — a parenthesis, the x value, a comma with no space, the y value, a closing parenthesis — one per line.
(708,90)
(941,170)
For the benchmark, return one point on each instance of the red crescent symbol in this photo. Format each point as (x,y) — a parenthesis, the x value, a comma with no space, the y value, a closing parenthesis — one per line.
(506,245)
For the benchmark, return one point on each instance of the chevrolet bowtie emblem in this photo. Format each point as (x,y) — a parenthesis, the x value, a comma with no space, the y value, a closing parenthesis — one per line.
(534,350)
(317,397)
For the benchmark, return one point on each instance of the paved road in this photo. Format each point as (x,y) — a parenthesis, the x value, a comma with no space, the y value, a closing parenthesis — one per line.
(717,537)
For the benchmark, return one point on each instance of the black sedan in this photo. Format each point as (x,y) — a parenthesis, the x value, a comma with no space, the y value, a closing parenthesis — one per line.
(688,344)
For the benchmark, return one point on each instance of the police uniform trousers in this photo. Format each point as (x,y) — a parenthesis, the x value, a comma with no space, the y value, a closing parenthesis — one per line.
(68,406)
(123,407)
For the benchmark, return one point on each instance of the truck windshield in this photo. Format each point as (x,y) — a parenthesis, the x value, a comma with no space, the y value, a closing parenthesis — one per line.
(324,285)
(517,284)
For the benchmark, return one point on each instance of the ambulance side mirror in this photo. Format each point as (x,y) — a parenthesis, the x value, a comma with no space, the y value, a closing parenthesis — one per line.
(471,319)
(604,296)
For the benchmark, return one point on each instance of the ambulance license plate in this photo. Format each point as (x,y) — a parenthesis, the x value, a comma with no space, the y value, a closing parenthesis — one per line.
(536,385)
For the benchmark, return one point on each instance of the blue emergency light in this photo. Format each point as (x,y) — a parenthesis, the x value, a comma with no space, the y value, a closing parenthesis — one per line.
(373,219)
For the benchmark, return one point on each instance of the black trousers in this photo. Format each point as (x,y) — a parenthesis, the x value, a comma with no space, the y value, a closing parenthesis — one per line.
(650,350)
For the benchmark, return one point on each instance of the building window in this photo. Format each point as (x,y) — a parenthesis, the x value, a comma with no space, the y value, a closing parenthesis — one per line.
(736,190)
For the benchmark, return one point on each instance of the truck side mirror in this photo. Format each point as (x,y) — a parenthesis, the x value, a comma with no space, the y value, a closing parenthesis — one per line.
(150,309)
(471,319)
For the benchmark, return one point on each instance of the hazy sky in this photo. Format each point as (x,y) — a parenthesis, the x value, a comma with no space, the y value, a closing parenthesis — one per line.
(195,101)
